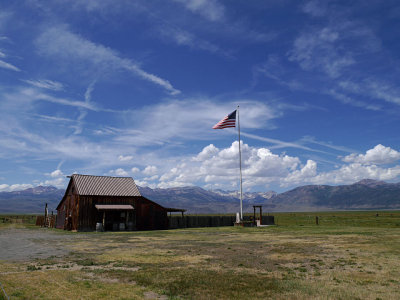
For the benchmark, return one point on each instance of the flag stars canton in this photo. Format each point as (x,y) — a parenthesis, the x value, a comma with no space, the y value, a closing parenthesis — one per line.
(228,121)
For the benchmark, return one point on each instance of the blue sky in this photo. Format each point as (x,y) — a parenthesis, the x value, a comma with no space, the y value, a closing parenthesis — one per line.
(132,88)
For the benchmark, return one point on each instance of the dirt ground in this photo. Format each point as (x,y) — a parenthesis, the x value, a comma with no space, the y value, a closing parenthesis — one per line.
(18,244)
(346,257)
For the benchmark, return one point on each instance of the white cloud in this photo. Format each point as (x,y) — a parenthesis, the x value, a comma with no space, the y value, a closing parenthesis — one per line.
(219,168)
(15,187)
(378,155)
(18,187)
(142,183)
(4,187)
(29,95)
(125,158)
(384,91)
(173,184)
(60,42)
(319,49)
(315,8)
(135,170)
(150,170)
(192,119)
(278,143)
(312,140)
(349,100)
(372,88)
(119,172)
(351,173)
(305,174)
(58,182)
(207,153)
(184,38)
(212,10)
(151,178)
(360,166)
(56,173)
(274,69)
(46,84)
(6,65)
(83,112)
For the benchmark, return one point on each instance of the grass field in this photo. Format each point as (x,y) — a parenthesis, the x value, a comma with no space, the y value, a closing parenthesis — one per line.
(349,255)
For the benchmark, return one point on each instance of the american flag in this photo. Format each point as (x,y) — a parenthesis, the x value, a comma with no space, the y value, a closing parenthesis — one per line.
(228,121)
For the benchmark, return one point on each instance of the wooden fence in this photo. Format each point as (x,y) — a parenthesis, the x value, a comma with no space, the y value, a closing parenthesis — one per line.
(51,222)
(200,221)
(210,221)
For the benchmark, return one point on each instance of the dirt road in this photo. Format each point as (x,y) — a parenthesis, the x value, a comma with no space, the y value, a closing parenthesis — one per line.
(25,244)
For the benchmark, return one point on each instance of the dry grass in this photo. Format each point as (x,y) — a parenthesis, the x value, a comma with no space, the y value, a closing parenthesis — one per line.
(296,260)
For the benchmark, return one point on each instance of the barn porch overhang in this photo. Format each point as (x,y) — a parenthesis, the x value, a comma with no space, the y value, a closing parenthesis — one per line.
(171,210)
(114,207)
(115,216)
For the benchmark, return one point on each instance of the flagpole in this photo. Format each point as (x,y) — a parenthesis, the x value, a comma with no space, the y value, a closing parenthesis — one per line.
(240,168)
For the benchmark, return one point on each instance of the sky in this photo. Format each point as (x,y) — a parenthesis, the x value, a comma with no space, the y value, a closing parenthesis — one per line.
(133,88)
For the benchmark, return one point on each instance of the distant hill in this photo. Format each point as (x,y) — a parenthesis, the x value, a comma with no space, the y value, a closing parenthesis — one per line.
(31,200)
(365,194)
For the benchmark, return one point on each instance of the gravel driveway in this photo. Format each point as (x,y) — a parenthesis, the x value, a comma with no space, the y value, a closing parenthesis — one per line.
(25,244)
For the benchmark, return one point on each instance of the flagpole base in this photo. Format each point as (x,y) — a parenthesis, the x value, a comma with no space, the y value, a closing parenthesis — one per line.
(243,224)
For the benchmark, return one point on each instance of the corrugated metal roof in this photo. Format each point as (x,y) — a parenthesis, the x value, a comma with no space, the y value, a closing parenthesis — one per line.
(114,207)
(90,185)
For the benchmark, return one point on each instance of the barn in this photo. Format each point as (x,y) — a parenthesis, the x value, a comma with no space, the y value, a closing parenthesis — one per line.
(112,203)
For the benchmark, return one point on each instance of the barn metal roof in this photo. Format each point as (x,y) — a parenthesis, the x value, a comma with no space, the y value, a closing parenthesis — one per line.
(90,185)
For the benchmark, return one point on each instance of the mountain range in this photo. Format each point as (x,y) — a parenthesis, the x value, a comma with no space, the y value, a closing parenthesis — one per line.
(365,194)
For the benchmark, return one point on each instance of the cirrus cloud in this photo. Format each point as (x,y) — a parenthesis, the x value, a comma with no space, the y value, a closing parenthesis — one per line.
(61,43)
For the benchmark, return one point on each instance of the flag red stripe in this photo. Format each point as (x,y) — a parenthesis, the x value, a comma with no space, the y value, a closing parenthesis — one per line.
(226,122)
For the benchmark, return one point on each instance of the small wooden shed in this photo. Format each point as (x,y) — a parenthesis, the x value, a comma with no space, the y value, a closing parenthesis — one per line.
(113,203)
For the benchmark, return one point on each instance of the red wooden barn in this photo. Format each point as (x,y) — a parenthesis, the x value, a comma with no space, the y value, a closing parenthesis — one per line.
(109,203)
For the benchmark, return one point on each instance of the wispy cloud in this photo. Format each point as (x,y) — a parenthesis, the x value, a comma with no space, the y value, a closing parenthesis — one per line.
(276,144)
(32,94)
(312,140)
(145,127)
(6,65)
(50,118)
(318,49)
(125,158)
(385,91)
(315,8)
(82,111)
(211,10)
(60,42)
(349,100)
(372,88)
(185,38)
(274,69)
(46,84)
(193,119)
(4,16)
